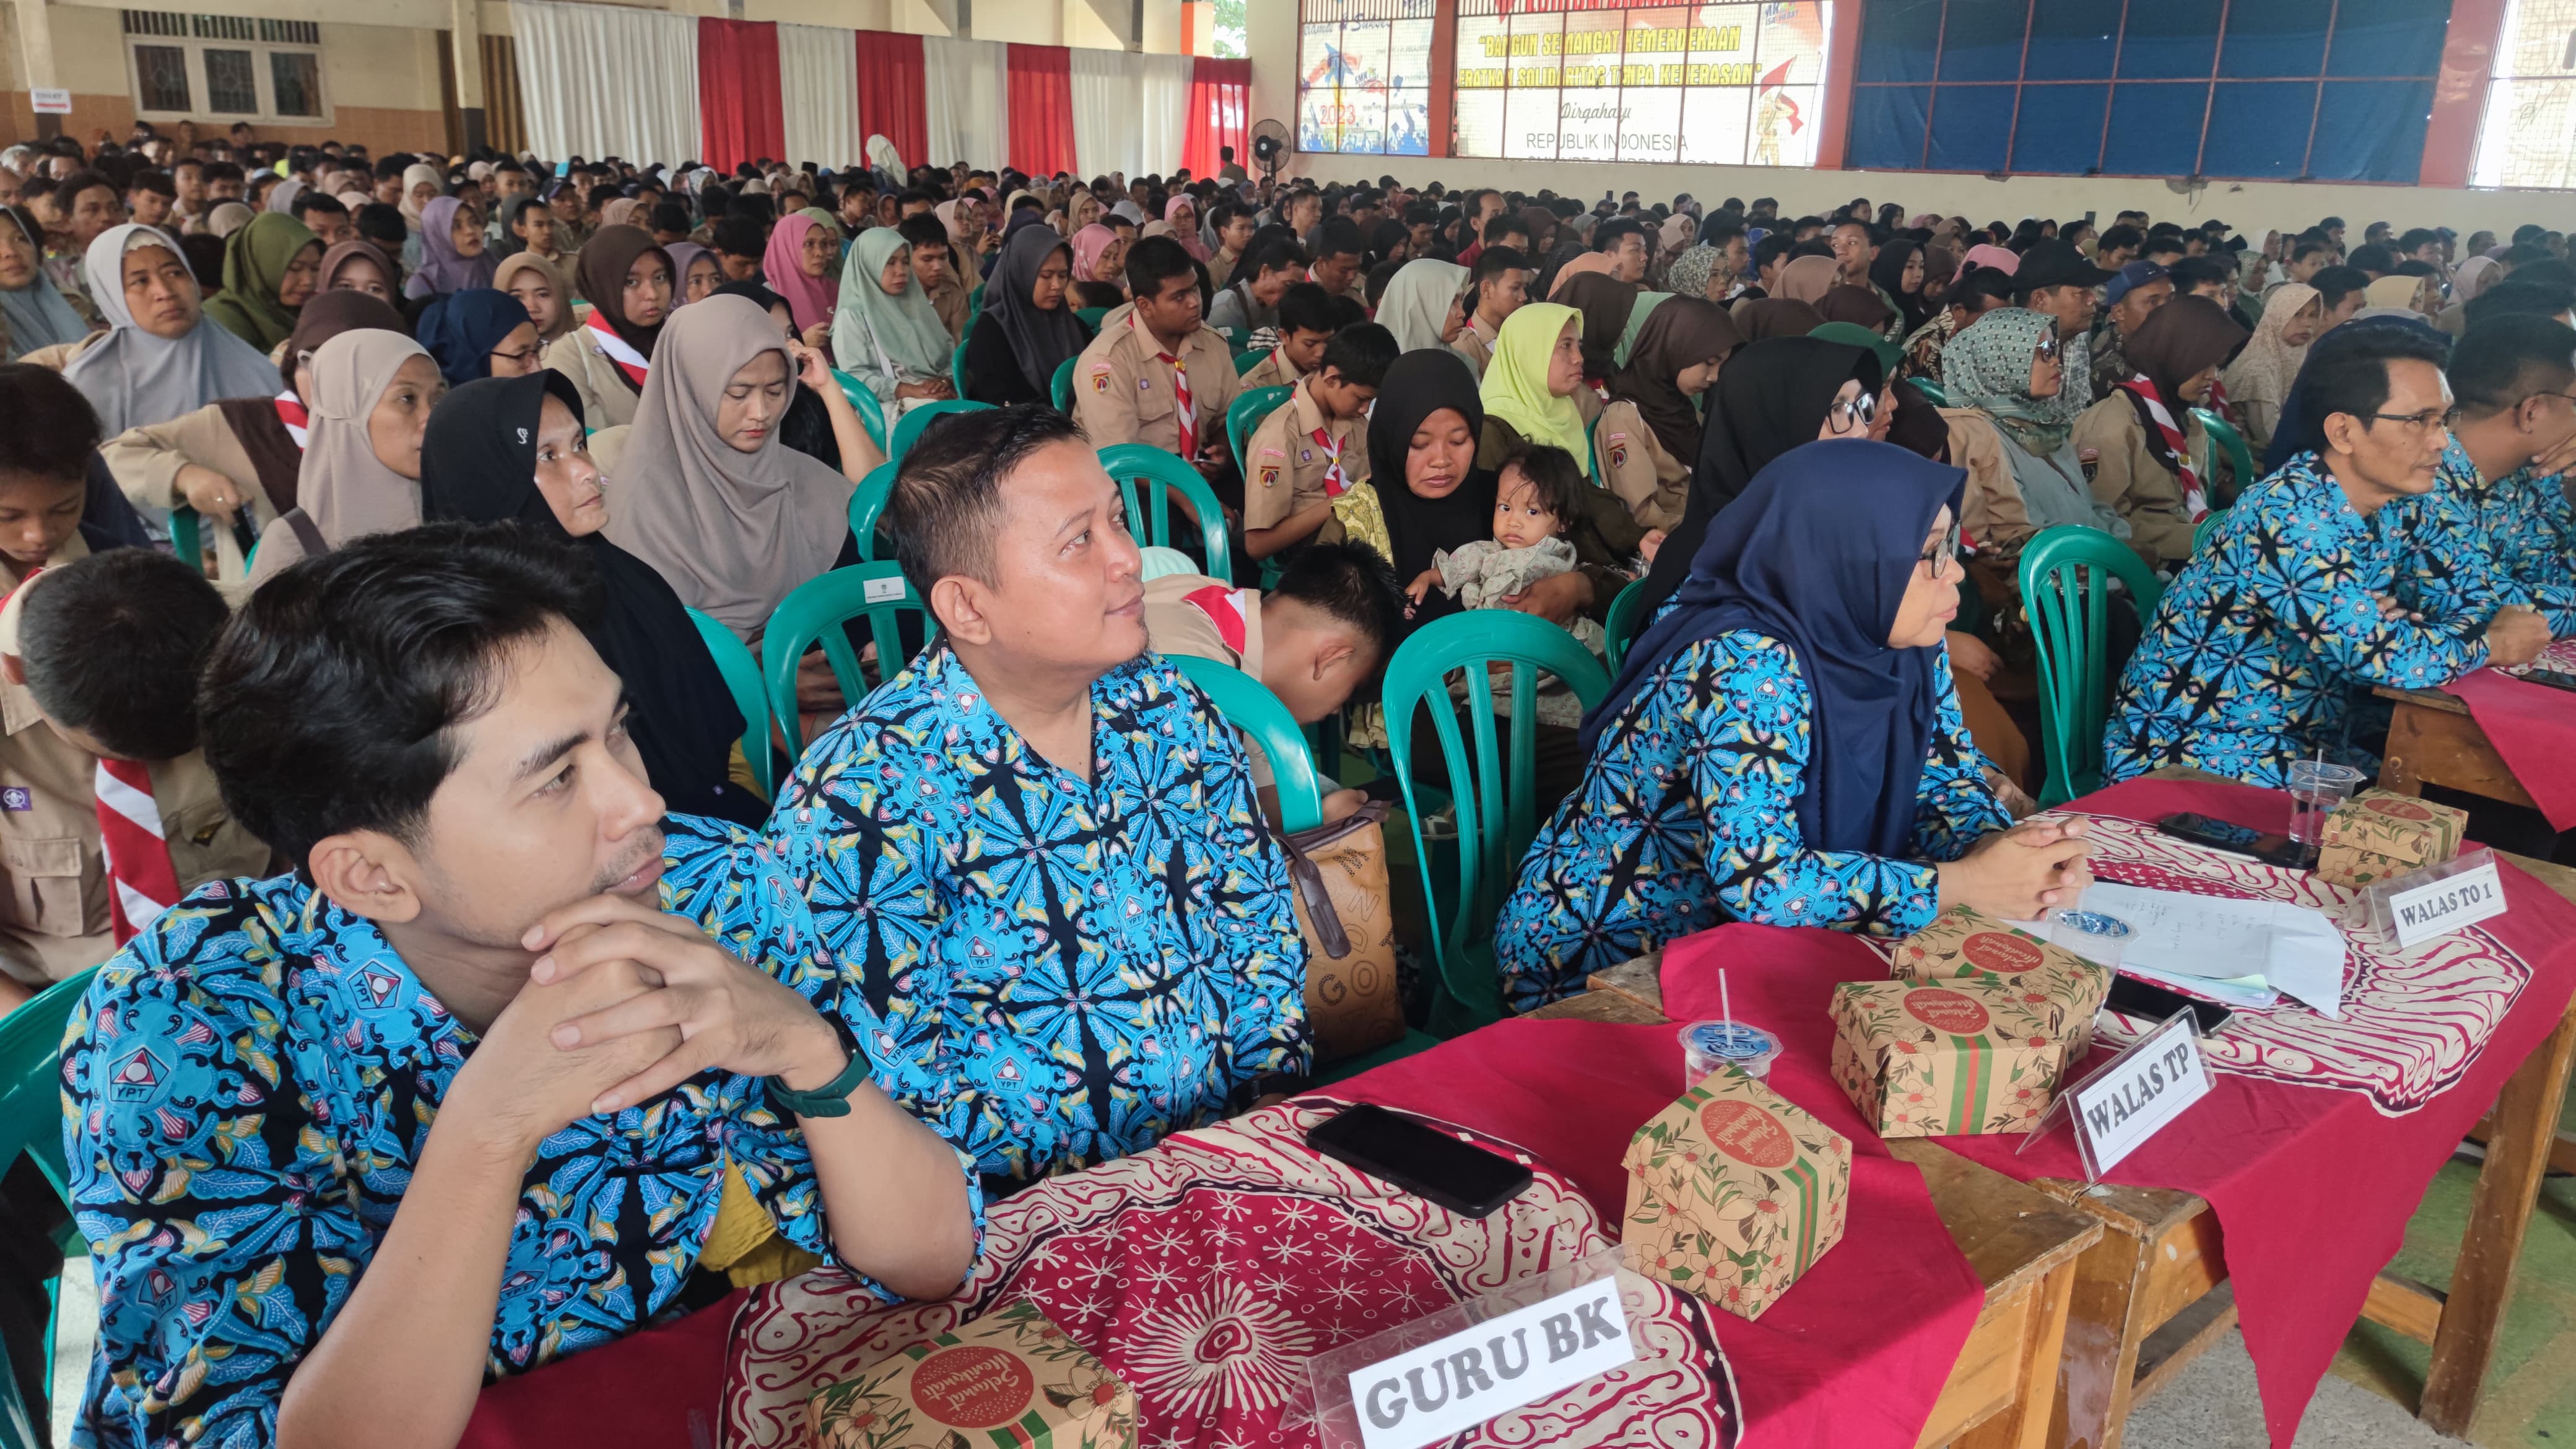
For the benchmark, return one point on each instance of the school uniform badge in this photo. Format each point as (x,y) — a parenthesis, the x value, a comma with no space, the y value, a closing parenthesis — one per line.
(1269,477)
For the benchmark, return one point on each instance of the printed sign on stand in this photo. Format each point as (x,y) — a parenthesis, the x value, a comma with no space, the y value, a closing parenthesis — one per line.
(2130,1098)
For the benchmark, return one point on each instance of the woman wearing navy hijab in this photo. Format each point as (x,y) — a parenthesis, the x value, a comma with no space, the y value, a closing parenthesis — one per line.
(1784,745)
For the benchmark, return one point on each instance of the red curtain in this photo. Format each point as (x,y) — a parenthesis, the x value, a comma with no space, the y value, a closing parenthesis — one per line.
(740,116)
(1041,98)
(1220,115)
(891,101)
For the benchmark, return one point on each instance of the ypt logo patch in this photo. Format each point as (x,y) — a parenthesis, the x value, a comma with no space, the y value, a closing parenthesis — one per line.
(137,1076)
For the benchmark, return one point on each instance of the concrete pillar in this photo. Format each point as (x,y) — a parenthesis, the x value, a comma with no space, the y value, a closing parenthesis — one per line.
(465,36)
(36,56)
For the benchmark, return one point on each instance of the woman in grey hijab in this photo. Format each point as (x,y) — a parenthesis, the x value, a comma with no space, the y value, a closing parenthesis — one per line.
(372,395)
(161,357)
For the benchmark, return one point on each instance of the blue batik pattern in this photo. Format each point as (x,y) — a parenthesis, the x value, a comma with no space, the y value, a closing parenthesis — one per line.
(2256,652)
(247,1086)
(2517,533)
(1068,970)
(1687,818)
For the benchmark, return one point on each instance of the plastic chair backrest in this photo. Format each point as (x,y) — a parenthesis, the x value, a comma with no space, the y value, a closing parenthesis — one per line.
(957,367)
(814,614)
(742,680)
(1249,706)
(1931,390)
(908,427)
(184,540)
(975,301)
(1060,387)
(2226,440)
(1592,452)
(1235,337)
(1627,614)
(2208,525)
(1245,413)
(867,501)
(1246,361)
(1128,462)
(1091,316)
(1497,816)
(871,412)
(2065,588)
(31,1050)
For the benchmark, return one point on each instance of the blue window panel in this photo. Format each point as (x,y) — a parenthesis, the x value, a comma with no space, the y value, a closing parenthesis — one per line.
(2277,38)
(2060,130)
(2072,40)
(2170,39)
(2155,129)
(1897,40)
(1982,41)
(2259,129)
(1887,127)
(1971,127)
(2389,38)
(2371,131)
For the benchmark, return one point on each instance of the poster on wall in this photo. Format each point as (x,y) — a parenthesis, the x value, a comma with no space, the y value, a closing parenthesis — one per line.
(1574,80)
(1364,77)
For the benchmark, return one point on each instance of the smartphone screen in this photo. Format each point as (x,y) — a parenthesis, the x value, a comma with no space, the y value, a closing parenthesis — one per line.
(2235,839)
(2148,1001)
(1460,1176)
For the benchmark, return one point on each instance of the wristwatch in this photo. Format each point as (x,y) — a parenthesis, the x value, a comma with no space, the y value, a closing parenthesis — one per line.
(832,1099)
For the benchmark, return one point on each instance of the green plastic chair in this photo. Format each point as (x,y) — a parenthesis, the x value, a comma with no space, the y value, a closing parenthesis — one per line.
(871,411)
(1243,416)
(2065,590)
(867,501)
(31,1121)
(975,301)
(2202,531)
(957,368)
(1627,616)
(1249,706)
(184,538)
(1061,386)
(814,614)
(1592,452)
(2226,440)
(1246,361)
(1932,391)
(742,680)
(1235,337)
(908,428)
(1497,818)
(1128,462)
(1091,316)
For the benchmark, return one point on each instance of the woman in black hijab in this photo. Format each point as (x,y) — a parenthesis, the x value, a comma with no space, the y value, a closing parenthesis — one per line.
(1422,466)
(512,450)
(1897,271)
(1771,397)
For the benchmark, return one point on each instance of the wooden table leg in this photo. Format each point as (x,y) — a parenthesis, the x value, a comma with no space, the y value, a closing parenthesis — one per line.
(2428,746)
(2526,1127)
(2026,1424)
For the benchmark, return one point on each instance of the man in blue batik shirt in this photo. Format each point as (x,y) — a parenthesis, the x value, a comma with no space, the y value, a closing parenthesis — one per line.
(457,1097)
(2300,602)
(2502,506)
(1036,848)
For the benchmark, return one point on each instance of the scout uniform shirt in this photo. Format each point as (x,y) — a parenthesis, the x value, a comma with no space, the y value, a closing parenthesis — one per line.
(1297,458)
(1273,370)
(1476,344)
(1209,618)
(54,911)
(1122,390)
(1634,465)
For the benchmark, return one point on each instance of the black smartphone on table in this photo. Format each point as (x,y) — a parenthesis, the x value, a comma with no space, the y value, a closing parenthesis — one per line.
(1460,1176)
(2145,999)
(2554,678)
(2235,839)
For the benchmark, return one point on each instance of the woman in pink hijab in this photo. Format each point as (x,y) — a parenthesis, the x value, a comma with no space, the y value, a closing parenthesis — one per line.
(1989,255)
(1578,265)
(1183,213)
(803,265)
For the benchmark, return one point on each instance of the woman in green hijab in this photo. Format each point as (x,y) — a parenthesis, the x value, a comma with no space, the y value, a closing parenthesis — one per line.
(1533,390)
(270,266)
(885,332)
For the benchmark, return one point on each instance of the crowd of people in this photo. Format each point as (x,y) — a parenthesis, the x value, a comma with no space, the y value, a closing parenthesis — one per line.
(468,1003)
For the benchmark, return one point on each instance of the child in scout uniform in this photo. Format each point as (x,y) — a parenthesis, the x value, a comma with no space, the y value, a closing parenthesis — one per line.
(1313,448)
(1308,318)
(1154,375)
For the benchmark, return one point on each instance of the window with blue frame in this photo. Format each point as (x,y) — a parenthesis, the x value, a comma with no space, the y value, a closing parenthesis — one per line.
(2274,90)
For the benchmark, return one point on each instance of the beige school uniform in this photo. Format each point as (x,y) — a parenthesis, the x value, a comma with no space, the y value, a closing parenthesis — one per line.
(2128,478)
(1634,465)
(1273,370)
(1286,468)
(1122,393)
(1475,342)
(606,400)
(146,463)
(949,300)
(1175,625)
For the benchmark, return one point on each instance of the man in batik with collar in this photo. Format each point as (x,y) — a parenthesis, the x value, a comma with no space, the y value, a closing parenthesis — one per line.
(1037,847)
(510,1066)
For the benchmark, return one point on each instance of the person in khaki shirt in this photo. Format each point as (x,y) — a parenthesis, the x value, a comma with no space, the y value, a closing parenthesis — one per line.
(1123,390)
(2177,352)
(1314,448)
(934,266)
(1501,280)
(1649,433)
(1308,317)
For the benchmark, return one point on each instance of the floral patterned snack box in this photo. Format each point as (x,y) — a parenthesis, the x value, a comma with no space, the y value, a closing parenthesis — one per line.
(1967,1056)
(1733,1193)
(2378,834)
(1963,944)
(1009,1379)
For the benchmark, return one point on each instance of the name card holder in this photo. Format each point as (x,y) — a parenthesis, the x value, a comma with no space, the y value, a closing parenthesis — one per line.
(1429,1380)
(2438,899)
(2130,1098)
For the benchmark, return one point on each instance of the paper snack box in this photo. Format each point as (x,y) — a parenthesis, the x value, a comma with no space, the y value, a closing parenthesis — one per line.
(1733,1193)
(2378,834)
(1967,1056)
(1962,944)
(1010,1379)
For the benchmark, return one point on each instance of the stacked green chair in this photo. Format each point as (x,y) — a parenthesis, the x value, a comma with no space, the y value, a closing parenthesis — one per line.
(742,680)
(1149,517)
(1627,619)
(1246,361)
(867,501)
(31,1121)
(1244,415)
(957,368)
(1060,387)
(2066,578)
(184,538)
(908,427)
(1091,316)
(871,412)
(2225,440)
(815,613)
(1931,390)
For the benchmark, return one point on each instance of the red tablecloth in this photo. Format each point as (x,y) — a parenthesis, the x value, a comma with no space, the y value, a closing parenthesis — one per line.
(2318,1140)
(1857,1351)
(637,1393)
(2533,728)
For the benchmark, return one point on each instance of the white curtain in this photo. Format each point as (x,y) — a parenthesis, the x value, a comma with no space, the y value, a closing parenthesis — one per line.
(818,85)
(1108,129)
(1165,86)
(966,90)
(608,80)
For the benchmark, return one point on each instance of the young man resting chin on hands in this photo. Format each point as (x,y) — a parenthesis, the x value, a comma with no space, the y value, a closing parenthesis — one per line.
(512,1066)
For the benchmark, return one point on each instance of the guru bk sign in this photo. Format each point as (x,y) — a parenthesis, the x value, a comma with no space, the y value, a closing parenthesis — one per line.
(1452,1384)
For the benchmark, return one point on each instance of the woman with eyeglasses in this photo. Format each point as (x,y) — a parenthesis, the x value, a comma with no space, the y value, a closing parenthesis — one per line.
(1784,745)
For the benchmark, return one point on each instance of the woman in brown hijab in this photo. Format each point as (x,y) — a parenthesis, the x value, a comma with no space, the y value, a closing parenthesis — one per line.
(358,265)
(627,279)
(2155,461)
(1857,305)
(1759,319)
(370,402)
(1605,303)
(1650,431)
(707,494)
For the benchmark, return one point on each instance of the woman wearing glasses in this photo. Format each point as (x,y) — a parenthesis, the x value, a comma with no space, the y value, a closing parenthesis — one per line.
(1784,745)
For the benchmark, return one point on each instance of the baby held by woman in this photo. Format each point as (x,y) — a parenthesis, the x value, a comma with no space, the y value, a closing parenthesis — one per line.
(1534,497)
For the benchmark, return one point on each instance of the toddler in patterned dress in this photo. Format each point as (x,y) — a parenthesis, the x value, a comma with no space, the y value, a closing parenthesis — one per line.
(1533,497)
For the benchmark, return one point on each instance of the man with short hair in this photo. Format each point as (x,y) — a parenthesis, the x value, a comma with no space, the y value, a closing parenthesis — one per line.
(1155,375)
(2342,291)
(1252,304)
(2117,247)
(2054,278)
(325,216)
(1339,250)
(1308,318)
(1623,241)
(2374,260)
(858,204)
(468,1090)
(1313,448)
(1233,227)
(2129,298)
(1501,279)
(2300,602)
(738,242)
(1726,275)
(1036,847)
(1319,633)
(1853,252)
(934,266)
(224,182)
(1227,170)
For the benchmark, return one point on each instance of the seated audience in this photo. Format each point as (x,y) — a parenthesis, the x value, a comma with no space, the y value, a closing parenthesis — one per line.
(1651,425)
(1099,266)
(371,398)
(160,356)
(34,313)
(2260,376)
(2300,602)
(1501,279)
(1421,306)
(359,265)
(886,333)
(1785,746)
(1250,301)
(1149,975)
(627,281)
(802,263)
(934,269)
(540,289)
(1309,451)
(270,267)
(2152,461)
(1027,329)
(357,1139)
(453,254)
(1307,317)
(1973,295)
(1155,375)
(477,333)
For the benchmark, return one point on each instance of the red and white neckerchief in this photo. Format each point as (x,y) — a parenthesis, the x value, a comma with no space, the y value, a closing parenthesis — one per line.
(620,351)
(1224,608)
(1336,482)
(290,412)
(2195,502)
(141,882)
(1182,408)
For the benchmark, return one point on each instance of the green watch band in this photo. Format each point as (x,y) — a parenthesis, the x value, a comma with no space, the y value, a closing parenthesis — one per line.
(832,1099)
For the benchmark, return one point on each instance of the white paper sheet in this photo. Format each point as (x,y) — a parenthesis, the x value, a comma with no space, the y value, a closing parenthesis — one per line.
(2238,952)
